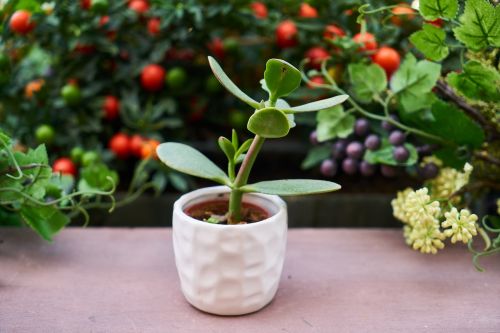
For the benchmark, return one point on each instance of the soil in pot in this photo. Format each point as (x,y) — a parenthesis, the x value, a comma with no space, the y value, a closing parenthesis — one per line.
(214,211)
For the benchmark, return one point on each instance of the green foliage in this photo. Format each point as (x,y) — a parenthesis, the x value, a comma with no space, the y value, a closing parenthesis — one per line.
(269,123)
(479,27)
(367,81)
(413,83)
(290,187)
(431,41)
(319,105)
(477,82)
(46,220)
(316,155)
(188,160)
(334,123)
(281,78)
(433,9)
(385,155)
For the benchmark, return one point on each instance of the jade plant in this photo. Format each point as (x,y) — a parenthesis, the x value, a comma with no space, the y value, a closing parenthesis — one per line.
(272,119)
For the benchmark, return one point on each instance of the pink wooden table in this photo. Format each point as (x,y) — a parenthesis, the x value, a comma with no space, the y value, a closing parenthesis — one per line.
(334,280)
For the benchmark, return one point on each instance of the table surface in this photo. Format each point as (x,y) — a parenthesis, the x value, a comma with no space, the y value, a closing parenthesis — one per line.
(334,280)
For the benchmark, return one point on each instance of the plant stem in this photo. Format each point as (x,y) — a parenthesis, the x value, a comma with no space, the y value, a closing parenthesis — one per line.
(234,213)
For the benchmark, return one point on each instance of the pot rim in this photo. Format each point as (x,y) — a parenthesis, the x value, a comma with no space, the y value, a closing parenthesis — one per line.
(213,190)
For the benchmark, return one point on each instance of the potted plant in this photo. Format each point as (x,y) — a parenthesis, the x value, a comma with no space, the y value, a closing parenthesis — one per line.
(229,241)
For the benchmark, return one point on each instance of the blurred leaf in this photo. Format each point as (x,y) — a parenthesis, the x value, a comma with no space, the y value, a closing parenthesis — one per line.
(288,187)
(334,123)
(367,81)
(431,42)
(384,155)
(315,156)
(96,177)
(188,160)
(45,220)
(477,82)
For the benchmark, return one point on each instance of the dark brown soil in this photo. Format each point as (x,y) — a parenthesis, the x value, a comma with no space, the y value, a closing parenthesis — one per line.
(216,210)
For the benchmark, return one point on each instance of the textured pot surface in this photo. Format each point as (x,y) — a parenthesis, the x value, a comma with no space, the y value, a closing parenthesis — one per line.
(229,269)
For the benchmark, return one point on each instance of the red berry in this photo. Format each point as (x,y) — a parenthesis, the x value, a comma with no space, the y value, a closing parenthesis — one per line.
(139,6)
(111,107)
(84,48)
(437,22)
(85,4)
(154,26)
(286,34)
(135,144)
(20,22)
(367,39)
(216,46)
(316,80)
(259,9)
(401,14)
(387,58)
(332,32)
(103,20)
(65,166)
(316,55)
(153,77)
(307,11)
(120,145)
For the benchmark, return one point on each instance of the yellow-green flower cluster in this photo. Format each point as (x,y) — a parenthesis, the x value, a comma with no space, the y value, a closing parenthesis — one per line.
(461,226)
(449,181)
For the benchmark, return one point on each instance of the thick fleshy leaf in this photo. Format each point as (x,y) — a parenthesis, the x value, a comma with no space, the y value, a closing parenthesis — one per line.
(227,147)
(229,85)
(188,160)
(269,123)
(281,78)
(319,105)
(292,187)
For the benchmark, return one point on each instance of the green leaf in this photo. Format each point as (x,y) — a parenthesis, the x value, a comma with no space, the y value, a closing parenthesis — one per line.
(384,155)
(413,82)
(319,105)
(333,123)
(292,187)
(451,157)
(281,78)
(96,177)
(367,81)
(433,9)
(478,82)
(269,123)
(229,85)
(452,124)
(188,160)
(244,147)
(227,147)
(315,156)
(431,42)
(45,220)
(479,25)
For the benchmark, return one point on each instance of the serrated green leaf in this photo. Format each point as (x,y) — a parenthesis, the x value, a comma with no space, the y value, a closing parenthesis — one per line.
(227,147)
(45,220)
(477,81)
(188,160)
(334,123)
(269,123)
(319,105)
(288,187)
(384,155)
(431,42)
(281,78)
(413,82)
(479,25)
(315,156)
(452,124)
(96,177)
(229,85)
(367,81)
(433,9)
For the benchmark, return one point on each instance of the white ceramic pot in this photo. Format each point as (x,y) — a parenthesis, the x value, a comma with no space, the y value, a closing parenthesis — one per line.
(229,269)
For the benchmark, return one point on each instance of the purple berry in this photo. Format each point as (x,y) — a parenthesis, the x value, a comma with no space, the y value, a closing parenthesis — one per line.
(338,149)
(397,138)
(387,125)
(425,150)
(388,171)
(372,142)
(355,150)
(362,127)
(313,137)
(350,166)
(428,171)
(367,169)
(401,154)
(328,168)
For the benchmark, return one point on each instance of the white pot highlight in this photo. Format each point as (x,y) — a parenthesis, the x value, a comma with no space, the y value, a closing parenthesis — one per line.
(229,269)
